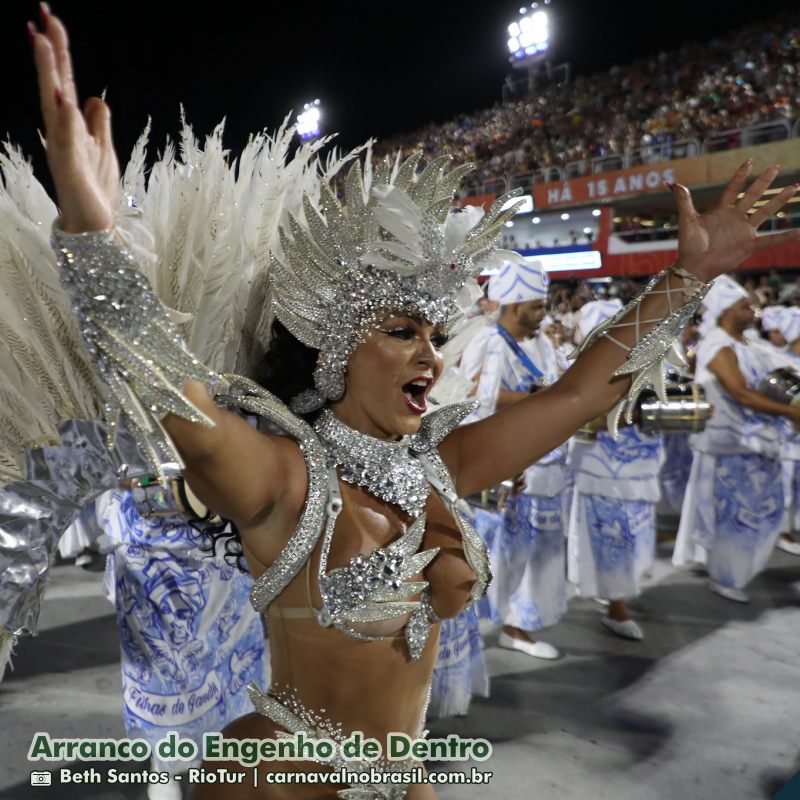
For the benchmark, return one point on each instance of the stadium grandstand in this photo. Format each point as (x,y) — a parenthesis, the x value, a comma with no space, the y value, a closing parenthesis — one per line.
(593,155)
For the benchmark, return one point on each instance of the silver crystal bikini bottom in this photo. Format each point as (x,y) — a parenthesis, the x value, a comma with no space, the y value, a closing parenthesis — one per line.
(285,709)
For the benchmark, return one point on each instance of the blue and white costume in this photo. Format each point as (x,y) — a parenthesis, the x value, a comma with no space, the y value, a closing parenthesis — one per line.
(787,322)
(734,499)
(190,641)
(612,524)
(675,472)
(612,520)
(460,673)
(529,586)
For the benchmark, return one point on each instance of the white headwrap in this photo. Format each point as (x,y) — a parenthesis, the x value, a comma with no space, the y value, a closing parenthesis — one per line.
(596,311)
(724,293)
(782,319)
(771,317)
(518,282)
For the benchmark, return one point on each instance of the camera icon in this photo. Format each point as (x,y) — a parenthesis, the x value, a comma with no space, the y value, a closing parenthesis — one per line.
(41,779)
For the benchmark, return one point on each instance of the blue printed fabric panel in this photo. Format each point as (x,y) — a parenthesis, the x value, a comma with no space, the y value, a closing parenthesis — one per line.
(748,506)
(622,541)
(190,640)
(528,589)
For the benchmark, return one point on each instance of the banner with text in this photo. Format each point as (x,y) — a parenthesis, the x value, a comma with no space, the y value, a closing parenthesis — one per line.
(712,168)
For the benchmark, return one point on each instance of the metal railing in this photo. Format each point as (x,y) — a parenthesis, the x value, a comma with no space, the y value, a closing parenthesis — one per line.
(658,152)
(733,139)
(790,219)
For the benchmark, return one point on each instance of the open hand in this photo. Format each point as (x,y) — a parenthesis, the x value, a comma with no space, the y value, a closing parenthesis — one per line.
(719,240)
(80,150)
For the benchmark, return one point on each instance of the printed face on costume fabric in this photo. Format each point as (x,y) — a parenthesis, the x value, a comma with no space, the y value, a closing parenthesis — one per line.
(390,375)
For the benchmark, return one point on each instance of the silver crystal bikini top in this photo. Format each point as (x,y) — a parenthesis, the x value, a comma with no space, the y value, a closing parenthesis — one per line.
(371,587)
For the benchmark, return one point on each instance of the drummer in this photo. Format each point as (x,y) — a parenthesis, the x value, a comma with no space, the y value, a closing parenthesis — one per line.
(782,326)
(733,505)
(612,525)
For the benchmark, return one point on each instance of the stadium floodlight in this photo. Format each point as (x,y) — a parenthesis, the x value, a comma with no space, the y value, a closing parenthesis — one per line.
(529,37)
(308,121)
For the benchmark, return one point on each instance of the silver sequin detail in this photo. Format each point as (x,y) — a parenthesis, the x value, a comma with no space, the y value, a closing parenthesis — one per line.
(646,362)
(386,469)
(341,266)
(284,707)
(377,586)
(251,397)
(137,350)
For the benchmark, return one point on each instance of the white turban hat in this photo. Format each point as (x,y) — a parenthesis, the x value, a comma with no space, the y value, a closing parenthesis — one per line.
(519,281)
(596,311)
(724,293)
(771,317)
(782,319)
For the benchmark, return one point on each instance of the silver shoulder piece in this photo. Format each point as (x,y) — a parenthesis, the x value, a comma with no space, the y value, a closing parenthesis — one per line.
(136,348)
(435,427)
(249,396)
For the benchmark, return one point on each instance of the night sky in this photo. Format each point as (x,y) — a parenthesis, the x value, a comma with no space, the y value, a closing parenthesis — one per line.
(378,68)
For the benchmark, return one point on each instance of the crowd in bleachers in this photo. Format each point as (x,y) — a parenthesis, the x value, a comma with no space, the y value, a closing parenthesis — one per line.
(748,77)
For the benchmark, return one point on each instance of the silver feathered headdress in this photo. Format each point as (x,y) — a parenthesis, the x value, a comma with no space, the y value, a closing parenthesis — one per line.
(395,244)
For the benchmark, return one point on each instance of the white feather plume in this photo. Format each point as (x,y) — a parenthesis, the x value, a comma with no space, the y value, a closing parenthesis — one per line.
(44,374)
(203,224)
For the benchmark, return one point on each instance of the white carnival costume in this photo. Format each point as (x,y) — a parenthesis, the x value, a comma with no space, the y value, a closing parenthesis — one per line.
(212,250)
(527,555)
(786,320)
(612,522)
(734,499)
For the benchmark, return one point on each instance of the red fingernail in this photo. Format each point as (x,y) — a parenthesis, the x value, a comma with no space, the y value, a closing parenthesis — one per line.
(31,28)
(59,98)
(44,13)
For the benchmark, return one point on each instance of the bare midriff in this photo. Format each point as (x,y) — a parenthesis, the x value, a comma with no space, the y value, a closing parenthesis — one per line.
(368,686)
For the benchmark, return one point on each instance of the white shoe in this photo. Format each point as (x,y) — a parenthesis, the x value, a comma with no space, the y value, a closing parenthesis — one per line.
(535,649)
(626,628)
(788,546)
(164,791)
(728,592)
(602,601)
(83,560)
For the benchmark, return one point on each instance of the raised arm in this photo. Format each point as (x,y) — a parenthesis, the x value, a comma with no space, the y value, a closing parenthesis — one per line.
(710,244)
(235,469)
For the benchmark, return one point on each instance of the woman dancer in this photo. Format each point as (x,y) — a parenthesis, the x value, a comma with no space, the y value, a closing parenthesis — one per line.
(370,286)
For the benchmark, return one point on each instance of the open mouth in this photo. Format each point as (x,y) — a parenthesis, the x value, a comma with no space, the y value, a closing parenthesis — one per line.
(414,393)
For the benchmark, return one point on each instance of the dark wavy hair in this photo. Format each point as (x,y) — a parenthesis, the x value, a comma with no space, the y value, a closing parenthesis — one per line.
(288,369)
